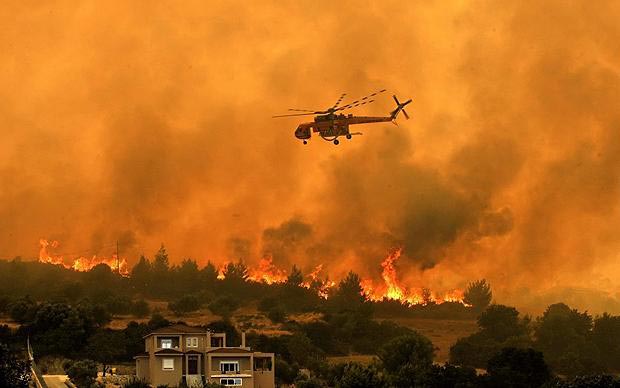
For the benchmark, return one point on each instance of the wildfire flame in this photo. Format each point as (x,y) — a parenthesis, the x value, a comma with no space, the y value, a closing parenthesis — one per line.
(81,263)
(267,272)
(322,287)
(391,289)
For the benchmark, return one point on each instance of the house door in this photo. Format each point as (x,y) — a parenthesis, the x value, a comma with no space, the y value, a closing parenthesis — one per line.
(192,365)
(193,374)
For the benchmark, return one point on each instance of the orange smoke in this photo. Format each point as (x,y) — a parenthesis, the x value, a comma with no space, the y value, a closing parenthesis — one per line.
(392,289)
(82,263)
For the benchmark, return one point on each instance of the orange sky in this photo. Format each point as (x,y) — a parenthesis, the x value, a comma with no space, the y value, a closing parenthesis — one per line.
(150,123)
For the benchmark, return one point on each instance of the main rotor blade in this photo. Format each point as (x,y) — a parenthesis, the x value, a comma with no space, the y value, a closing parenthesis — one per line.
(355,105)
(339,101)
(406,115)
(293,114)
(301,110)
(363,99)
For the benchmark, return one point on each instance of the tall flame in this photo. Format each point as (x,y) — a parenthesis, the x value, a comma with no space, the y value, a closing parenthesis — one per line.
(391,289)
(267,272)
(81,263)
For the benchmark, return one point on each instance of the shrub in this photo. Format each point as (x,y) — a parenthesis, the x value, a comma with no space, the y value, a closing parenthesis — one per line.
(518,368)
(13,371)
(136,383)
(276,314)
(186,304)
(141,309)
(83,373)
(224,306)
(23,310)
(267,303)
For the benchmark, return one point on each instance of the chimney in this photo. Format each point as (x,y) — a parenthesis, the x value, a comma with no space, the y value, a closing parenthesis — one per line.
(243,339)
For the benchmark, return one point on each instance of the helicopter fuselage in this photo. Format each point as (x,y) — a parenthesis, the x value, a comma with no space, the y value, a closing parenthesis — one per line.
(332,126)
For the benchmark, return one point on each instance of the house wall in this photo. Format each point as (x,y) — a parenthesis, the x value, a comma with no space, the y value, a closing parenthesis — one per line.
(142,368)
(264,379)
(170,377)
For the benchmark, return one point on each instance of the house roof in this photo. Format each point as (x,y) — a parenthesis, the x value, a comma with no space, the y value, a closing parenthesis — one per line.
(178,329)
(168,352)
(143,354)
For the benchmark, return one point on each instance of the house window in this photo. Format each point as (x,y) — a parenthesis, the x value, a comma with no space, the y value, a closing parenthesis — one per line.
(166,343)
(231,382)
(262,363)
(167,364)
(191,342)
(229,366)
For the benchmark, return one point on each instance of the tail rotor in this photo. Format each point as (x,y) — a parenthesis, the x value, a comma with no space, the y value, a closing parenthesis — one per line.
(399,107)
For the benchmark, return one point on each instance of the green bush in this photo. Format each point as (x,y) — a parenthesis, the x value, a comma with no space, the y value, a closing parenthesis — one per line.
(136,383)
(277,314)
(83,373)
(141,309)
(224,306)
(186,304)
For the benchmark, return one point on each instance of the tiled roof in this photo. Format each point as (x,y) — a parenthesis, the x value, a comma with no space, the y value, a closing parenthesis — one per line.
(169,351)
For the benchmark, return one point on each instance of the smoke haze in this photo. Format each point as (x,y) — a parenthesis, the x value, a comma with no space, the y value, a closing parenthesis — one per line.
(150,123)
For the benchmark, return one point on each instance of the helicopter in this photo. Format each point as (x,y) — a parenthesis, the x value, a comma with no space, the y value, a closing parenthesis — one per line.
(331,125)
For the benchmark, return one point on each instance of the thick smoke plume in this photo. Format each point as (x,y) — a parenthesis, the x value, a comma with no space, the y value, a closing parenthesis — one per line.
(149,123)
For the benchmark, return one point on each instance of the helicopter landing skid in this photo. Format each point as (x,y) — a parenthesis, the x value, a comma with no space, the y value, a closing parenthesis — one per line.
(333,139)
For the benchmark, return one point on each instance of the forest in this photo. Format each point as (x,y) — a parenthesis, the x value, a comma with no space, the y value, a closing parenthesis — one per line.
(67,317)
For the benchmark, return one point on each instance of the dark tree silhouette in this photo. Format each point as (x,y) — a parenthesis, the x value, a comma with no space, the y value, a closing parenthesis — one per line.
(295,278)
(355,375)
(413,349)
(106,346)
(23,310)
(185,304)
(141,275)
(478,294)
(500,322)
(188,274)
(349,294)
(160,280)
(83,373)
(224,306)
(514,367)
(564,335)
(209,275)
(605,333)
(500,327)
